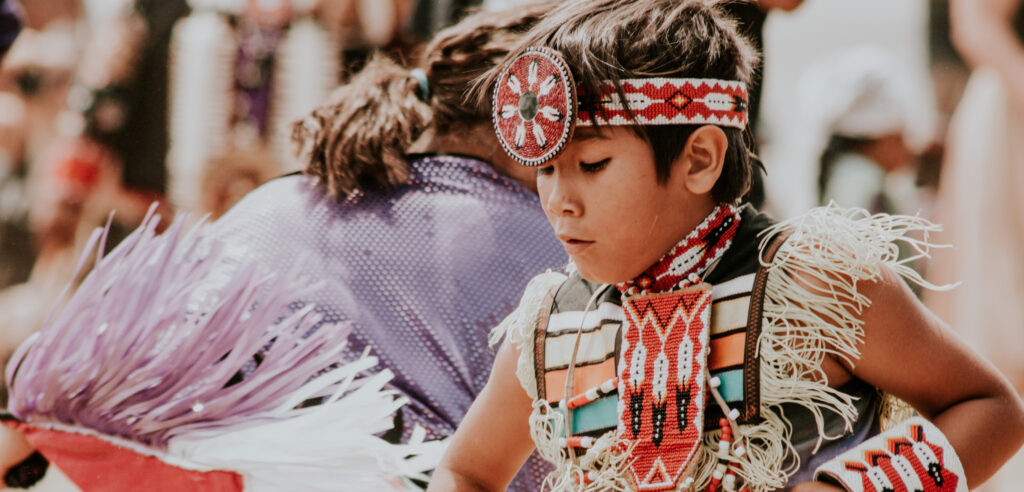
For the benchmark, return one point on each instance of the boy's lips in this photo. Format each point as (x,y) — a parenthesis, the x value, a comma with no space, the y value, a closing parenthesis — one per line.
(573,245)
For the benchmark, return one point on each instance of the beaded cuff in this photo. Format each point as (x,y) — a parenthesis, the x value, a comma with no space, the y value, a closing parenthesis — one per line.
(914,456)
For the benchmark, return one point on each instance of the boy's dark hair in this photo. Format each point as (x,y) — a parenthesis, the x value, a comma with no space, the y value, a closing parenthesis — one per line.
(358,139)
(609,40)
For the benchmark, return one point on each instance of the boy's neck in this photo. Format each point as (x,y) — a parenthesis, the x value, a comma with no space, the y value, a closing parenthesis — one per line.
(701,211)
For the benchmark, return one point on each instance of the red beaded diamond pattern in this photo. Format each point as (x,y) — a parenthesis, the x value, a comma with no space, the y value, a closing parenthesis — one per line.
(665,101)
(912,464)
(699,249)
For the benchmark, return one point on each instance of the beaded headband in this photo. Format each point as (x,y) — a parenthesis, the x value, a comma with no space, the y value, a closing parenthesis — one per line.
(536,109)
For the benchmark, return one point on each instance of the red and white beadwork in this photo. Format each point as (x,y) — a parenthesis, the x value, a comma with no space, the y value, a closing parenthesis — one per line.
(536,110)
(914,455)
(661,388)
(691,256)
(669,101)
(534,107)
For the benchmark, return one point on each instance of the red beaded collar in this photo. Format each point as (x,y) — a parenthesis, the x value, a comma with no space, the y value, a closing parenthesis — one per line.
(687,261)
(536,110)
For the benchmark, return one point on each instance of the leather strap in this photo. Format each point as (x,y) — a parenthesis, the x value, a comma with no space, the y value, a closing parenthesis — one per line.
(751,410)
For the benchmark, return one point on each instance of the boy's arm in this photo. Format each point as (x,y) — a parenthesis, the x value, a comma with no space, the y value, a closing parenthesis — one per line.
(909,352)
(493,440)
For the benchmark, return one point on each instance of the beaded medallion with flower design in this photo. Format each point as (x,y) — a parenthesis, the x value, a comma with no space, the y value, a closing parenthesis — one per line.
(534,107)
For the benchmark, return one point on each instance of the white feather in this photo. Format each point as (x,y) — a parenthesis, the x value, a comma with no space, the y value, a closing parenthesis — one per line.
(509,110)
(320,447)
(538,134)
(659,378)
(550,113)
(513,83)
(520,134)
(636,365)
(685,362)
(547,85)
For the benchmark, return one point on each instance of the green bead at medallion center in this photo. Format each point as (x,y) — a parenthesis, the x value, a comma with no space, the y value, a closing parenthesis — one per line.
(528,106)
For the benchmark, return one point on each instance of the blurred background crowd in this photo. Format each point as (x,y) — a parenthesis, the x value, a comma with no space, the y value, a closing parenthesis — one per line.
(910,107)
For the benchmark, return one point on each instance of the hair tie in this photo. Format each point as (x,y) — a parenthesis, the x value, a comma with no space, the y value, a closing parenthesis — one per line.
(421,76)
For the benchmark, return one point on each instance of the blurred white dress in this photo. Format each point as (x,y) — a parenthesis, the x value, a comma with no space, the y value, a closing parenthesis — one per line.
(982,208)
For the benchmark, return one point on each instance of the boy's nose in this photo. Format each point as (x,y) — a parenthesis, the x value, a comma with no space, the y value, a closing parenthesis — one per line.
(563,204)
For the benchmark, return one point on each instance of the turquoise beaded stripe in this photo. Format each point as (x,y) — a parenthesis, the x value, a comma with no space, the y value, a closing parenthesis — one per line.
(601,414)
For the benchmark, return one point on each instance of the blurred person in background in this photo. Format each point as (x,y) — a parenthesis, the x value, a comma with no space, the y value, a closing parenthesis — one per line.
(34,81)
(418,224)
(980,202)
(93,118)
(751,16)
(858,104)
(12,270)
(38,209)
(240,71)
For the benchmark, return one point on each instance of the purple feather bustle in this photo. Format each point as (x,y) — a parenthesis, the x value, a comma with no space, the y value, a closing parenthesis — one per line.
(145,347)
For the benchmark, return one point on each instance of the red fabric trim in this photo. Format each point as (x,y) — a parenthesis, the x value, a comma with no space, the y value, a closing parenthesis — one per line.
(97,465)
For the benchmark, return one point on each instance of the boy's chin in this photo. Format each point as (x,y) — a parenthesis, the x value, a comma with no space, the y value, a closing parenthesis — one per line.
(598,275)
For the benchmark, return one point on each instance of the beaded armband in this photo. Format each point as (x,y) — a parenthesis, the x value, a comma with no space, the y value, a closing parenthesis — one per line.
(914,455)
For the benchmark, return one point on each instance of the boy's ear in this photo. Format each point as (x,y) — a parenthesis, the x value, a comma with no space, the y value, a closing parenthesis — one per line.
(704,154)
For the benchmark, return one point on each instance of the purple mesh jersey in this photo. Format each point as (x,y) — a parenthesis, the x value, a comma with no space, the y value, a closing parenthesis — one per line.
(424,272)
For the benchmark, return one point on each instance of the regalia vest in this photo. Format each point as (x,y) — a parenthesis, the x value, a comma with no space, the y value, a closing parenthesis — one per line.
(567,333)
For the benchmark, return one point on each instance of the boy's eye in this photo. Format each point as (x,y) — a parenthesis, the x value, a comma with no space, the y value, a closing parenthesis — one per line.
(545,170)
(593,167)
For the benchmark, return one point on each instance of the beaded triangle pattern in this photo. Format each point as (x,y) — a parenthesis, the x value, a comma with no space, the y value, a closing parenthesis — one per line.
(661,384)
(914,456)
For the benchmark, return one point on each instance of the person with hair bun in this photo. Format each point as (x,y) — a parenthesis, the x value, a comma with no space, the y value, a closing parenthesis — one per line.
(406,238)
(422,226)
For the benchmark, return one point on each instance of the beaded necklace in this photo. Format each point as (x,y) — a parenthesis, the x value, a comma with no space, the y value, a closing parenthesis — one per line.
(687,261)
(679,269)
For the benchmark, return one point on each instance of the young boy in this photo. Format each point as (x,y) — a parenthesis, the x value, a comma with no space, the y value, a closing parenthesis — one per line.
(696,346)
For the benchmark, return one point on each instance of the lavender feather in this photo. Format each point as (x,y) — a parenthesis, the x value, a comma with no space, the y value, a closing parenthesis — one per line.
(145,347)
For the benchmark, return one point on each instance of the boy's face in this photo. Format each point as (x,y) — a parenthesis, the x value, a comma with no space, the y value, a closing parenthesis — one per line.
(603,199)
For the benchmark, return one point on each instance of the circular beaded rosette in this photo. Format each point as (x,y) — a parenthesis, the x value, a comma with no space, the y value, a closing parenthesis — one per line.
(535,106)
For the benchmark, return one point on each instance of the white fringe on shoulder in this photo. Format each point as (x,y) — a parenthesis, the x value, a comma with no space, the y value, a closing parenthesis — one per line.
(812,309)
(519,328)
